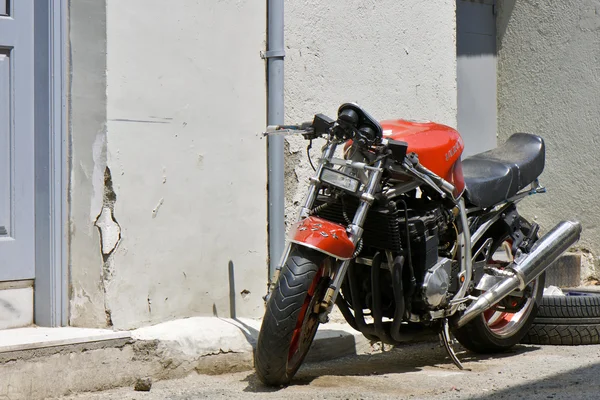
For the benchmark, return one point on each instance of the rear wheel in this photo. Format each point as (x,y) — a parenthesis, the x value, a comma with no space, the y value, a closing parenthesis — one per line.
(290,322)
(504,325)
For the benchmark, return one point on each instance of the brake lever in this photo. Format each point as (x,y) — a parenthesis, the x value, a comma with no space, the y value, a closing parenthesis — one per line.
(284,130)
(290,130)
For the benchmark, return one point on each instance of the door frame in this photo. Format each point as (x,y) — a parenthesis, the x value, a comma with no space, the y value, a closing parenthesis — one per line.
(51,155)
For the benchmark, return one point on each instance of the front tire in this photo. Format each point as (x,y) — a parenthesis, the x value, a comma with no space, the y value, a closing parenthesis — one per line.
(290,323)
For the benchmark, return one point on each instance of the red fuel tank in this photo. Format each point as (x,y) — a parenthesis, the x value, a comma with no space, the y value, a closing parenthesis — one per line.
(439,147)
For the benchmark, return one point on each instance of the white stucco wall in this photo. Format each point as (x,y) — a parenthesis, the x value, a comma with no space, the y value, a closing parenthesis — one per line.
(185,101)
(549,84)
(397,58)
(168,185)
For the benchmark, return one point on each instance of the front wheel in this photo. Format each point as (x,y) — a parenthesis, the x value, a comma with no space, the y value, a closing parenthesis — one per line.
(504,325)
(290,322)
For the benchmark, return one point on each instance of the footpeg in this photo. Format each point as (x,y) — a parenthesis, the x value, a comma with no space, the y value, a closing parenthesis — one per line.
(445,338)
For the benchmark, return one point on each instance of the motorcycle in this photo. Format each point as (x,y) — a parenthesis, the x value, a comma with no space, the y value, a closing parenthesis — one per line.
(406,238)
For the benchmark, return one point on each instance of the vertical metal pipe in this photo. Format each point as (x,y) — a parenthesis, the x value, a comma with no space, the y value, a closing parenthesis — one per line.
(466,263)
(275,52)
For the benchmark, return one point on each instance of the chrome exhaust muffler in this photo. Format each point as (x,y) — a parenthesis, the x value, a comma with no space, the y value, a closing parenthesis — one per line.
(526,268)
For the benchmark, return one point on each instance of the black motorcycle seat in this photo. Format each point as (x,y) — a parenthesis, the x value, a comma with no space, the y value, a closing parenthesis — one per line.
(496,175)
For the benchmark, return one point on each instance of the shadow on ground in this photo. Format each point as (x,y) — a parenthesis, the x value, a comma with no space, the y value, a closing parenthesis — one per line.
(580,383)
(404,359)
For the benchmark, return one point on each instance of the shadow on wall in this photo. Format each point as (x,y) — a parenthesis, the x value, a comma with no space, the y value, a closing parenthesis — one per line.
(476,26)
(505,10)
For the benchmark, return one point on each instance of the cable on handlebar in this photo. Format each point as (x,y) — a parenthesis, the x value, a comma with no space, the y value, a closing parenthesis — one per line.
(308,155)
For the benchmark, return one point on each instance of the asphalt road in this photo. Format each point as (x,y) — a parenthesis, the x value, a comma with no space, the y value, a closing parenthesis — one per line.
(421,371)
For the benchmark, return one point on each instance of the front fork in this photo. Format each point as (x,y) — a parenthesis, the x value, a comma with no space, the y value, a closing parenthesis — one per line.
(355,230)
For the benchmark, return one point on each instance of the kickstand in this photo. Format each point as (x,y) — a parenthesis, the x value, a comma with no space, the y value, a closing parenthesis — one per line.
(445,338)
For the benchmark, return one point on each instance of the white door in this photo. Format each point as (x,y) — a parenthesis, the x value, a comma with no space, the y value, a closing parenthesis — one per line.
(17,252)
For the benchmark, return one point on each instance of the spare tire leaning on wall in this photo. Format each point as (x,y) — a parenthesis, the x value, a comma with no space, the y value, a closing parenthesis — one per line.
(573,319)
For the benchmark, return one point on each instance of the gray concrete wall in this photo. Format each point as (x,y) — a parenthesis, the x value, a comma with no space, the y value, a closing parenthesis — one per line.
(168,184)
(549,84)
(396,58)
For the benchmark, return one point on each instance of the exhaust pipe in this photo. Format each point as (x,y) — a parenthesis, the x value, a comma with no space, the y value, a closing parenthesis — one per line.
(526,268)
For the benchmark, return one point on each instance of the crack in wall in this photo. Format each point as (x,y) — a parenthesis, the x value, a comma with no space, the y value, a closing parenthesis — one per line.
(296,169)
(110,237)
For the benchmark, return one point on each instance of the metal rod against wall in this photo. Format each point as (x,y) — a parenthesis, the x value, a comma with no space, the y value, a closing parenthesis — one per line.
(60,215)
(275,51)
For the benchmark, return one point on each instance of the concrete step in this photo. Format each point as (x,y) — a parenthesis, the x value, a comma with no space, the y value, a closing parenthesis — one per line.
(37,363)
(565,271)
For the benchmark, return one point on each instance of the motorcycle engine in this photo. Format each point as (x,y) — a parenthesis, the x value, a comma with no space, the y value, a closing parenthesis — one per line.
(387,229)
(436,283)
(436,275)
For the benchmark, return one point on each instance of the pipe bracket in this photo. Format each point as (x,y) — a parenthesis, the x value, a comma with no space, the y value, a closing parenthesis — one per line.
(265,55)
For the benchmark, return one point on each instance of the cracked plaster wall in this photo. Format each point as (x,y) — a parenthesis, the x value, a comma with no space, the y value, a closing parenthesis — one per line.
(396,58)
(87,98)
(549,84)
(169,173)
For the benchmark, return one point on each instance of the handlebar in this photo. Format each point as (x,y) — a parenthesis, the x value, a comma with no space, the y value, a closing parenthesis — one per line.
(353,122)
(345,128)
(321,125)
(356,124)
(299,129)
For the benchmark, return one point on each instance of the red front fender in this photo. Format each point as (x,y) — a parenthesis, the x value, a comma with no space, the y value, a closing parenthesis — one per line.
(324,236)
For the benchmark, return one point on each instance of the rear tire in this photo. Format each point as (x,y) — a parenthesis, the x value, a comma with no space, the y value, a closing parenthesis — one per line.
(478,336)
(290,324)
(494,332)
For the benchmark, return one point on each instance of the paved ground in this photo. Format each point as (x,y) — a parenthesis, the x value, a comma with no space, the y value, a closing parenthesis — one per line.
(414,372)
